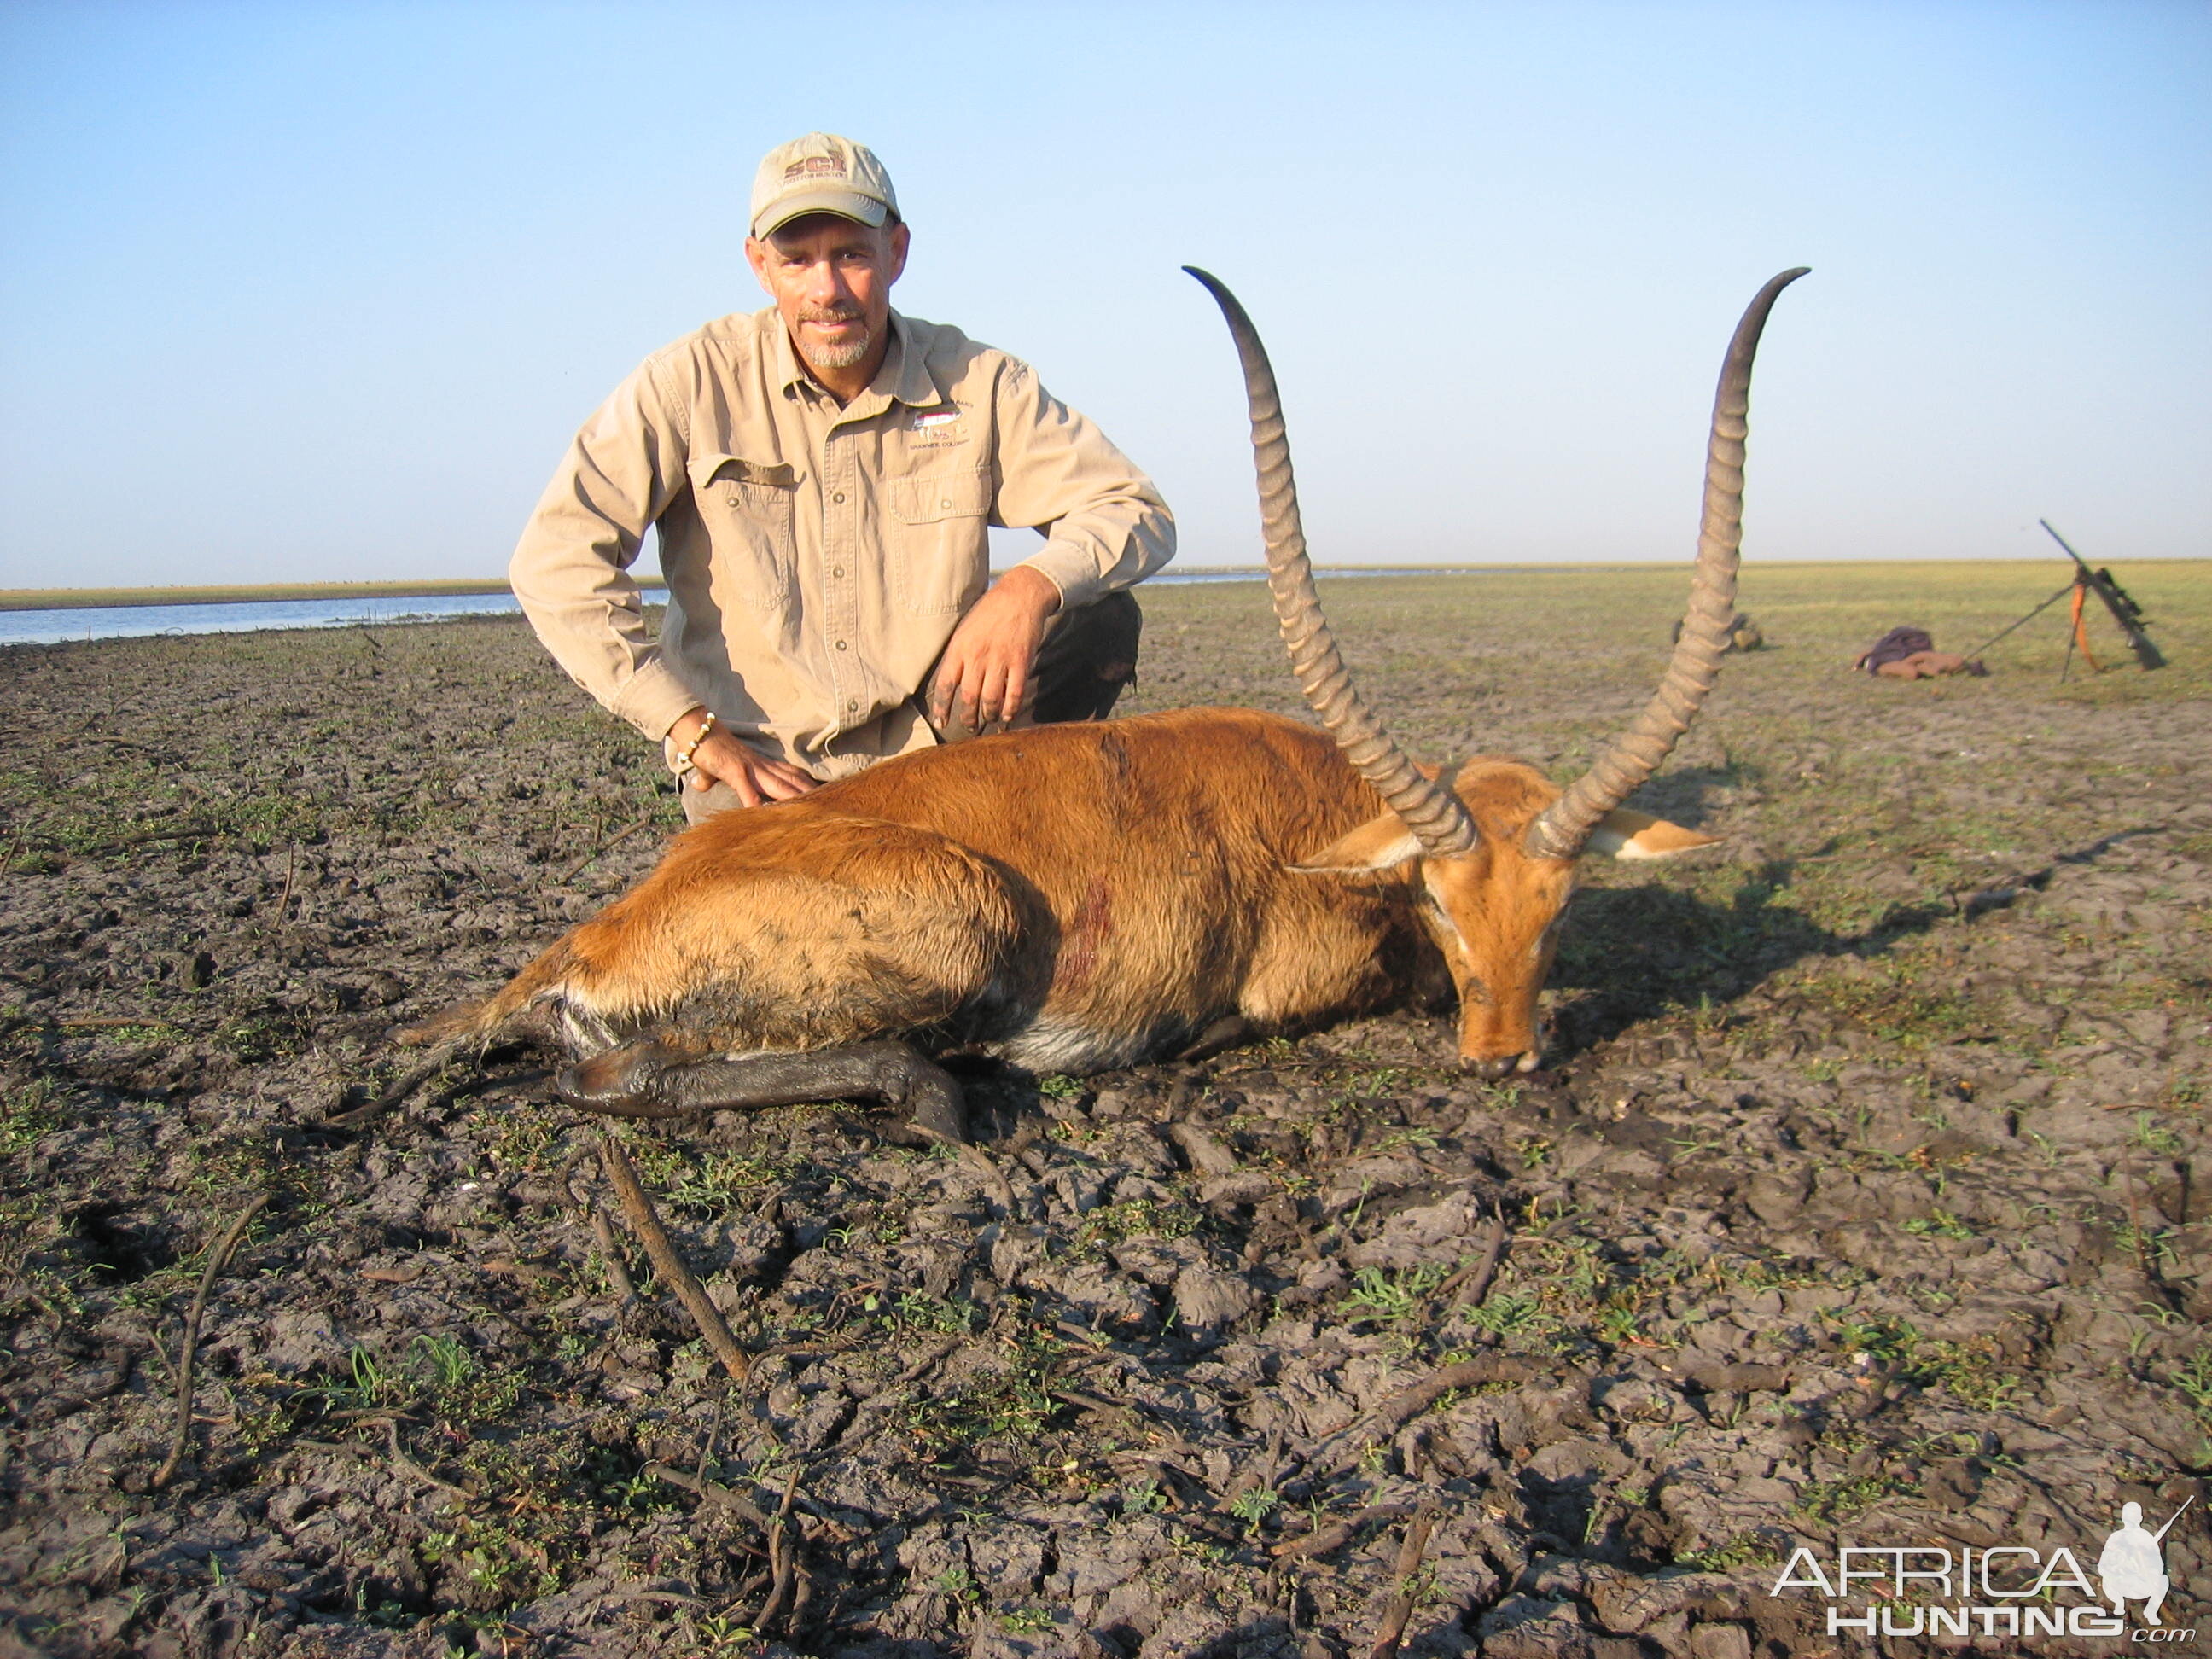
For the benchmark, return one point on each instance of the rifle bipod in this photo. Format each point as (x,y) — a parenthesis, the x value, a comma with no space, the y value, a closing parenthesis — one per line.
(2125,611)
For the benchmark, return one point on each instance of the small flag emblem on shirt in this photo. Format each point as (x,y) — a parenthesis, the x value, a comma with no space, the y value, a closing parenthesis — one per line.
(926,418)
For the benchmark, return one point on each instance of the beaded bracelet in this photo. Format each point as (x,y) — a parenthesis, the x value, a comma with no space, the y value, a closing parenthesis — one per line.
(683,761)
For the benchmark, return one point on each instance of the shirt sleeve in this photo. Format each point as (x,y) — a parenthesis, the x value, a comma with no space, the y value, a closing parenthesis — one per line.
(570,573)
(1106,528)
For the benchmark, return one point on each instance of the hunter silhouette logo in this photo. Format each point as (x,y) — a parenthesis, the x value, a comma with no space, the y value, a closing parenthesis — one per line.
(2133,1565)
(2008,1589)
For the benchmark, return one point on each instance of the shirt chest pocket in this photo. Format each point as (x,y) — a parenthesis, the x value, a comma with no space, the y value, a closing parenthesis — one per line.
(936,540)
(751,512)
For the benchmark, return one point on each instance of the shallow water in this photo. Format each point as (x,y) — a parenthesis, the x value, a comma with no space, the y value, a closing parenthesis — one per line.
(139,620)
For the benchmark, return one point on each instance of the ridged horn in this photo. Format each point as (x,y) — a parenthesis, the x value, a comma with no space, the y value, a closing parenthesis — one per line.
(1429,809)
(1563,827)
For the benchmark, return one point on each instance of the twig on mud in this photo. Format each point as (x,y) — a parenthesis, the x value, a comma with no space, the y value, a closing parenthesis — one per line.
(1406,1404)
(802,1594)
(1337,1534)
(141,837)
(876,1405)
(611,1252)
(1168,1473)
(1270,1468)
(779,1554)
(407,1466)
(291,869)
(1480,1277)
(1091,1402)
(605,847)
(980,1161)
(2135,1217)
(1207,1156)
(914,1373)
(104,741)
(1708,1378)
(714,1433)
(1401,1607)
(396,1091)
(637,1208)
(712,1493)
(108,1022)
(1401,1408)
(218,1257)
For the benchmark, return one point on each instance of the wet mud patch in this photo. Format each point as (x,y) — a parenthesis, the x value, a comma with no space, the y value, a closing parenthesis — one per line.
(1861,1204)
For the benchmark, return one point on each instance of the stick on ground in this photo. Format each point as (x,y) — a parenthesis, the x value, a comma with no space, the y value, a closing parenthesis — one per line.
(218,1257)
(291,869)
(618,1278)
(637,1209)
(1409,1402)
(396,1091)
(1337,1534)
(1400,1606)
(605,847)
(1494,1251)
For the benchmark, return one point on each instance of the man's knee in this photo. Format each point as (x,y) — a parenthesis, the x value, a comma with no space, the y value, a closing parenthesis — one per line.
(702,804)
(1088,659)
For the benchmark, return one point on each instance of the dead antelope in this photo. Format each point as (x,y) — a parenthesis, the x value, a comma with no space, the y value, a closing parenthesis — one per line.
(1076,897)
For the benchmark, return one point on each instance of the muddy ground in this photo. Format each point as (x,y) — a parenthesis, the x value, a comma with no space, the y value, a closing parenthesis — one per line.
(1859,1205)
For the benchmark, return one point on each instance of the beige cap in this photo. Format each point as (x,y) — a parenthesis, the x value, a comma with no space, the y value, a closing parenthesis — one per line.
(821,173)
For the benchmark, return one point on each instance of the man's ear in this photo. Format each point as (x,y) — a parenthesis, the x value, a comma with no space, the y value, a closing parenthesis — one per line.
(1377,845)
(901,238)
(1625,835)
(757,256)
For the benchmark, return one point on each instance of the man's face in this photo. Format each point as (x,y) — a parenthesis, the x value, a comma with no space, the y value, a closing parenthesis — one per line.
(831,282)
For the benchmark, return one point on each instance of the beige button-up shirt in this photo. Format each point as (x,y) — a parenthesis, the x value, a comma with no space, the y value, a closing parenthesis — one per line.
(817,556)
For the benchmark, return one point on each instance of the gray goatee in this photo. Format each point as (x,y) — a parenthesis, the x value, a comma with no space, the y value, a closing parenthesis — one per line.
(820,355)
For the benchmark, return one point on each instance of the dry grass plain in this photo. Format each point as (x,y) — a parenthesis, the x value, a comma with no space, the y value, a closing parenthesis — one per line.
(1858,1203)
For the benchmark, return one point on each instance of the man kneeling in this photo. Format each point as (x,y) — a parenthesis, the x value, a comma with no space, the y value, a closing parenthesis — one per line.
(824,474)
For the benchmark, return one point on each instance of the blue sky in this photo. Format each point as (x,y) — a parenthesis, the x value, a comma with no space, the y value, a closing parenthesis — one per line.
(308,291)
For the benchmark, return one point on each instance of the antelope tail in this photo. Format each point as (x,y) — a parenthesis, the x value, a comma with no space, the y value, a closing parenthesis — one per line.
(486,1020)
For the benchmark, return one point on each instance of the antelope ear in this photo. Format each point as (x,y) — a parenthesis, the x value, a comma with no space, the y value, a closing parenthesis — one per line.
(1377,845)
(1625,835)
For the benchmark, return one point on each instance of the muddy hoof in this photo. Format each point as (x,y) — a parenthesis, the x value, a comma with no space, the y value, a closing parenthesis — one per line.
(623,1081)
(935,1112)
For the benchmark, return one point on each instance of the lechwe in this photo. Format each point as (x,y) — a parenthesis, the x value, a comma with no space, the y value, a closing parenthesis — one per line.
(1075,898)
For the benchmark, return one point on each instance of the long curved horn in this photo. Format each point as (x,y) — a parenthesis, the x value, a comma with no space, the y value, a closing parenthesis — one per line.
(1565,825)
(1429,809)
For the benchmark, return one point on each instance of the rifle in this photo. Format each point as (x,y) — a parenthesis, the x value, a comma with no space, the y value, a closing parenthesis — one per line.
(2168,1527)
(2125,611)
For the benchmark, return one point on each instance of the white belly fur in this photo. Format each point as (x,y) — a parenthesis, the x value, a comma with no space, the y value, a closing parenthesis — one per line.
(1048,1047)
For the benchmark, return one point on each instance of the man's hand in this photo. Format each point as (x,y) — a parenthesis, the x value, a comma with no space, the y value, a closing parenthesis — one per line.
(984,675)
(724,758)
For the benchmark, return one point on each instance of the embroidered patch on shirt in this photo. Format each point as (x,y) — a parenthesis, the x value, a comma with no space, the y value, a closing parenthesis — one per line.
(923,419)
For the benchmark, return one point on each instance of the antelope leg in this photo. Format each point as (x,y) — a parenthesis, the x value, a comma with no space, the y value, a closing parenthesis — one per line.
(652,1078)
(1229,1031)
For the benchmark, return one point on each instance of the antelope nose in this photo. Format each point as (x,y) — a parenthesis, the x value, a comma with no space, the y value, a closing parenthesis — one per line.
(1496,1066)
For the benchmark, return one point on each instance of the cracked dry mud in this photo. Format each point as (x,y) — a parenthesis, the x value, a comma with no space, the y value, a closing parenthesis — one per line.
(1859,1204)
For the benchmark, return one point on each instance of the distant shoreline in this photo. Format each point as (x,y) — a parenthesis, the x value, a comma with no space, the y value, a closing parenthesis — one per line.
(124,598)
(85,599)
